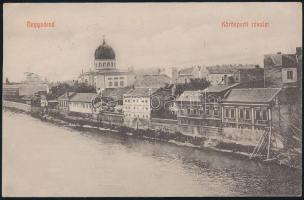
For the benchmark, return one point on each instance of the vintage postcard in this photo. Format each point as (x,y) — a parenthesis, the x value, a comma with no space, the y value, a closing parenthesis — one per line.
(152,99)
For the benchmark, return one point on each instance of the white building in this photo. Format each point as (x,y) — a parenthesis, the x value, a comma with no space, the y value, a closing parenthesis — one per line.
(106,73)
(82,103)
(137,107)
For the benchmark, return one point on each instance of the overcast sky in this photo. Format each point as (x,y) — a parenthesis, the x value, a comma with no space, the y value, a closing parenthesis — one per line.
(144,35)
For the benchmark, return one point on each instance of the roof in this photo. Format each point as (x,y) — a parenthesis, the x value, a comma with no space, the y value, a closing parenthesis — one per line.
(115,93)
(228,69)
(220,88)
(152,81)
(193,96)
(106,72)
(252,95)
(186,71)
(140,92)
(273,59)
(83,97)
(104,52)
(14,86)
(66,96)
(280,60)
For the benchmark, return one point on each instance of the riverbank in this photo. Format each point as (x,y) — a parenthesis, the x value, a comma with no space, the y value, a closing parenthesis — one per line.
(176,138)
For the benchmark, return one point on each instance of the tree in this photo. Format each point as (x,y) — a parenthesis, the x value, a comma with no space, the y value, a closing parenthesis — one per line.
(194,84)
(83,88)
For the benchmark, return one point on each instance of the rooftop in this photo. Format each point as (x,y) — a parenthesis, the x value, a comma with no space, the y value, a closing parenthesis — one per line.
(140,92)
(228,69)
(115,93)
(193,96)
(67,95)
(83,97)
(152,81)
(252,95)
(220,88)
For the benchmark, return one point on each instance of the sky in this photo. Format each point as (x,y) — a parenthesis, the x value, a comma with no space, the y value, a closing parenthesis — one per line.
(143,35)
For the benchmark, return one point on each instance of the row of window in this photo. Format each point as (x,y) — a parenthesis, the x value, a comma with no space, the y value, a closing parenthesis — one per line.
(82,105)
(137,116)
(115,78)
(137,101)
(121,83)
(63,103)
(214,111)
(108,64)
(136,108)
(245,113)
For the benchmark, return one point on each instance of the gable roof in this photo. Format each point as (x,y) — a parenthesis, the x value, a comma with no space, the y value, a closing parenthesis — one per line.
(228,69)
(220,88)
(66,95)
(115,93)
(140,92)
(152,81)
(186,71)
(252,95)
(83,97)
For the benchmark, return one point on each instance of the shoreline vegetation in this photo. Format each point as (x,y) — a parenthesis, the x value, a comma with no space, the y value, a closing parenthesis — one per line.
(177,138)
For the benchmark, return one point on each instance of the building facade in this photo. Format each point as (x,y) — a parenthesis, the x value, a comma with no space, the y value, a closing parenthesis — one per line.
(199,112)
(106,73)
(137,107)
(82,103)
(247,75)
(63,102)
(248,113)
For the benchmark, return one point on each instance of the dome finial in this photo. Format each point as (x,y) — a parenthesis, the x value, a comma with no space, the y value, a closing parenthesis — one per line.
(103,38)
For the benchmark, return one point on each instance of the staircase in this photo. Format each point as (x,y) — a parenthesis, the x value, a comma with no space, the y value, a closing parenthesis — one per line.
(261,145)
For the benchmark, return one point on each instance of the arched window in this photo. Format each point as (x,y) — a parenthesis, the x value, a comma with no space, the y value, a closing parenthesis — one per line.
(108,64)
(104,64)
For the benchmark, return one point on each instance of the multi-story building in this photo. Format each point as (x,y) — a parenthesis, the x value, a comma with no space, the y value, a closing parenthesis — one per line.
(246,75)
(106,74)
(247,113)
(199,112)
(184,75)
(137,107)
(281,70)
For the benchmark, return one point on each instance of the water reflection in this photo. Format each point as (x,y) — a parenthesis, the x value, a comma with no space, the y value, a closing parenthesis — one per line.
(94,163)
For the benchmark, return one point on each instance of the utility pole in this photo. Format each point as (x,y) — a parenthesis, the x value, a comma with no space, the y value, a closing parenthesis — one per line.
(270,132)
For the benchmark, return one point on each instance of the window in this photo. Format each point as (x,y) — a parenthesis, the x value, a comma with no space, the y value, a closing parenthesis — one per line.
(207,110)
(241,114)
(289,75)
(247,114)
(232,113)
(115,83)
(110,84)
(121,83)
(121,77)
(115,78)
(257,115)
(226,113)
(216,111)
(109,78)
(264,115)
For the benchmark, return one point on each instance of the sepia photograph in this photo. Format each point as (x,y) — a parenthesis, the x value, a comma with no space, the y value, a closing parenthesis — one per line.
(152,99)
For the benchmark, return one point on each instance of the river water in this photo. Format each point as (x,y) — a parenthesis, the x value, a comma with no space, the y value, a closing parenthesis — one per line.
(42,159)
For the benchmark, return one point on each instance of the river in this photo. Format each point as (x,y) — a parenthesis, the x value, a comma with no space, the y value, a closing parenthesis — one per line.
(43,159)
